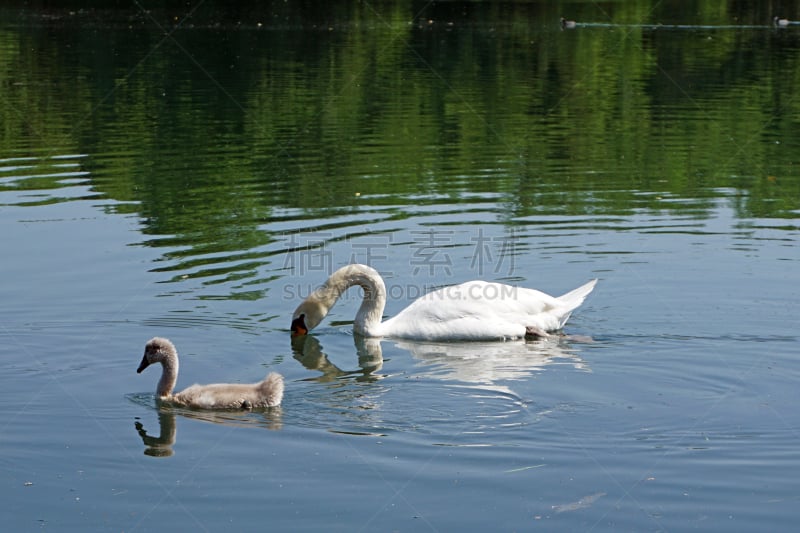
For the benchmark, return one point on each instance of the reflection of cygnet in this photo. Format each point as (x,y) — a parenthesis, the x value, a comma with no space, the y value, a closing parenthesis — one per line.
(475,310)
(160,446)
(266,393)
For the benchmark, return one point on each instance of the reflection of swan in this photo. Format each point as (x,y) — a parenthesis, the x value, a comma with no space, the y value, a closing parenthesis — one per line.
(471,311)
(308,351)
(484,364)
(487,364)
(266,393)
(160,446)
(470,385)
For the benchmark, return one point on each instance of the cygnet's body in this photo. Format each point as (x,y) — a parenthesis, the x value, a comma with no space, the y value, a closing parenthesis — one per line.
(266,393)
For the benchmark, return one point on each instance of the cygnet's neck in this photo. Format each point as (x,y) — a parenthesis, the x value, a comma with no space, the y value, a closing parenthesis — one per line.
(169,375)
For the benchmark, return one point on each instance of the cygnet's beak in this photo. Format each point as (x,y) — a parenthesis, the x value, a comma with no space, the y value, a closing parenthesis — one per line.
(299,326)
(144,364)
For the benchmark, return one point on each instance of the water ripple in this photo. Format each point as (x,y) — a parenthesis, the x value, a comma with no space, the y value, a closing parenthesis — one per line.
(44,180)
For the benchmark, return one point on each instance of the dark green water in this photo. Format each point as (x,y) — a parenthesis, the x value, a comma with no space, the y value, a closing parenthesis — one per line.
(193,171)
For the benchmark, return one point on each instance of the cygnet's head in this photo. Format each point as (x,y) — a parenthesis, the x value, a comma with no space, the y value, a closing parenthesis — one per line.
(157,350)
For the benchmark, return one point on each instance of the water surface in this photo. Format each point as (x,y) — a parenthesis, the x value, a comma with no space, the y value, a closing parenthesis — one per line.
(195,172)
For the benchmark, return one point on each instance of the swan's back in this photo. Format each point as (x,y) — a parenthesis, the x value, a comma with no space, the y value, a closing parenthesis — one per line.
(484,310)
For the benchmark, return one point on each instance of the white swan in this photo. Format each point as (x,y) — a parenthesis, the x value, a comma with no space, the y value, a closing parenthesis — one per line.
(470,311)
(266,393)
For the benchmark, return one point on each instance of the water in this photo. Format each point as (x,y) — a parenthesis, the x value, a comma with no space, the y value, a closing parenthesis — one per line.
(196,178)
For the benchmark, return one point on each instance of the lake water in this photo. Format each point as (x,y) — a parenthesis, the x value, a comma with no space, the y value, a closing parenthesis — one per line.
(194,171)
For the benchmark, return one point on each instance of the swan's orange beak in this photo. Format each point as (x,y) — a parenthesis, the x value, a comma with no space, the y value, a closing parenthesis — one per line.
(299,326)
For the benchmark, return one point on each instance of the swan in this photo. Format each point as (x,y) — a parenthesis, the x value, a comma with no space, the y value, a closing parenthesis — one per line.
(777,21)
(475,310)
(266,393)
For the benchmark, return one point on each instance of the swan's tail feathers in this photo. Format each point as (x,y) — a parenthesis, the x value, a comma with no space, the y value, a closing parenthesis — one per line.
(575,297)
(271,389)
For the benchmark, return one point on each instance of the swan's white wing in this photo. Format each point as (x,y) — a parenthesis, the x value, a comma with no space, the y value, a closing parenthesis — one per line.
(476,310)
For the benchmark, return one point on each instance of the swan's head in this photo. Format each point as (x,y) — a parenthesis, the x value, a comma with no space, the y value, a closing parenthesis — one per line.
(314,308)
(306,317)
(157,350)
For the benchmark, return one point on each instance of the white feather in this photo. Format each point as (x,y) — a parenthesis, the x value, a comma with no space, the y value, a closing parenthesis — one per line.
(470,311)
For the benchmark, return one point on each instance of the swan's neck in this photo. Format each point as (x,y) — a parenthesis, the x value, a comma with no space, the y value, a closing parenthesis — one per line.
(368,317)
(370,313)
(169,376)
